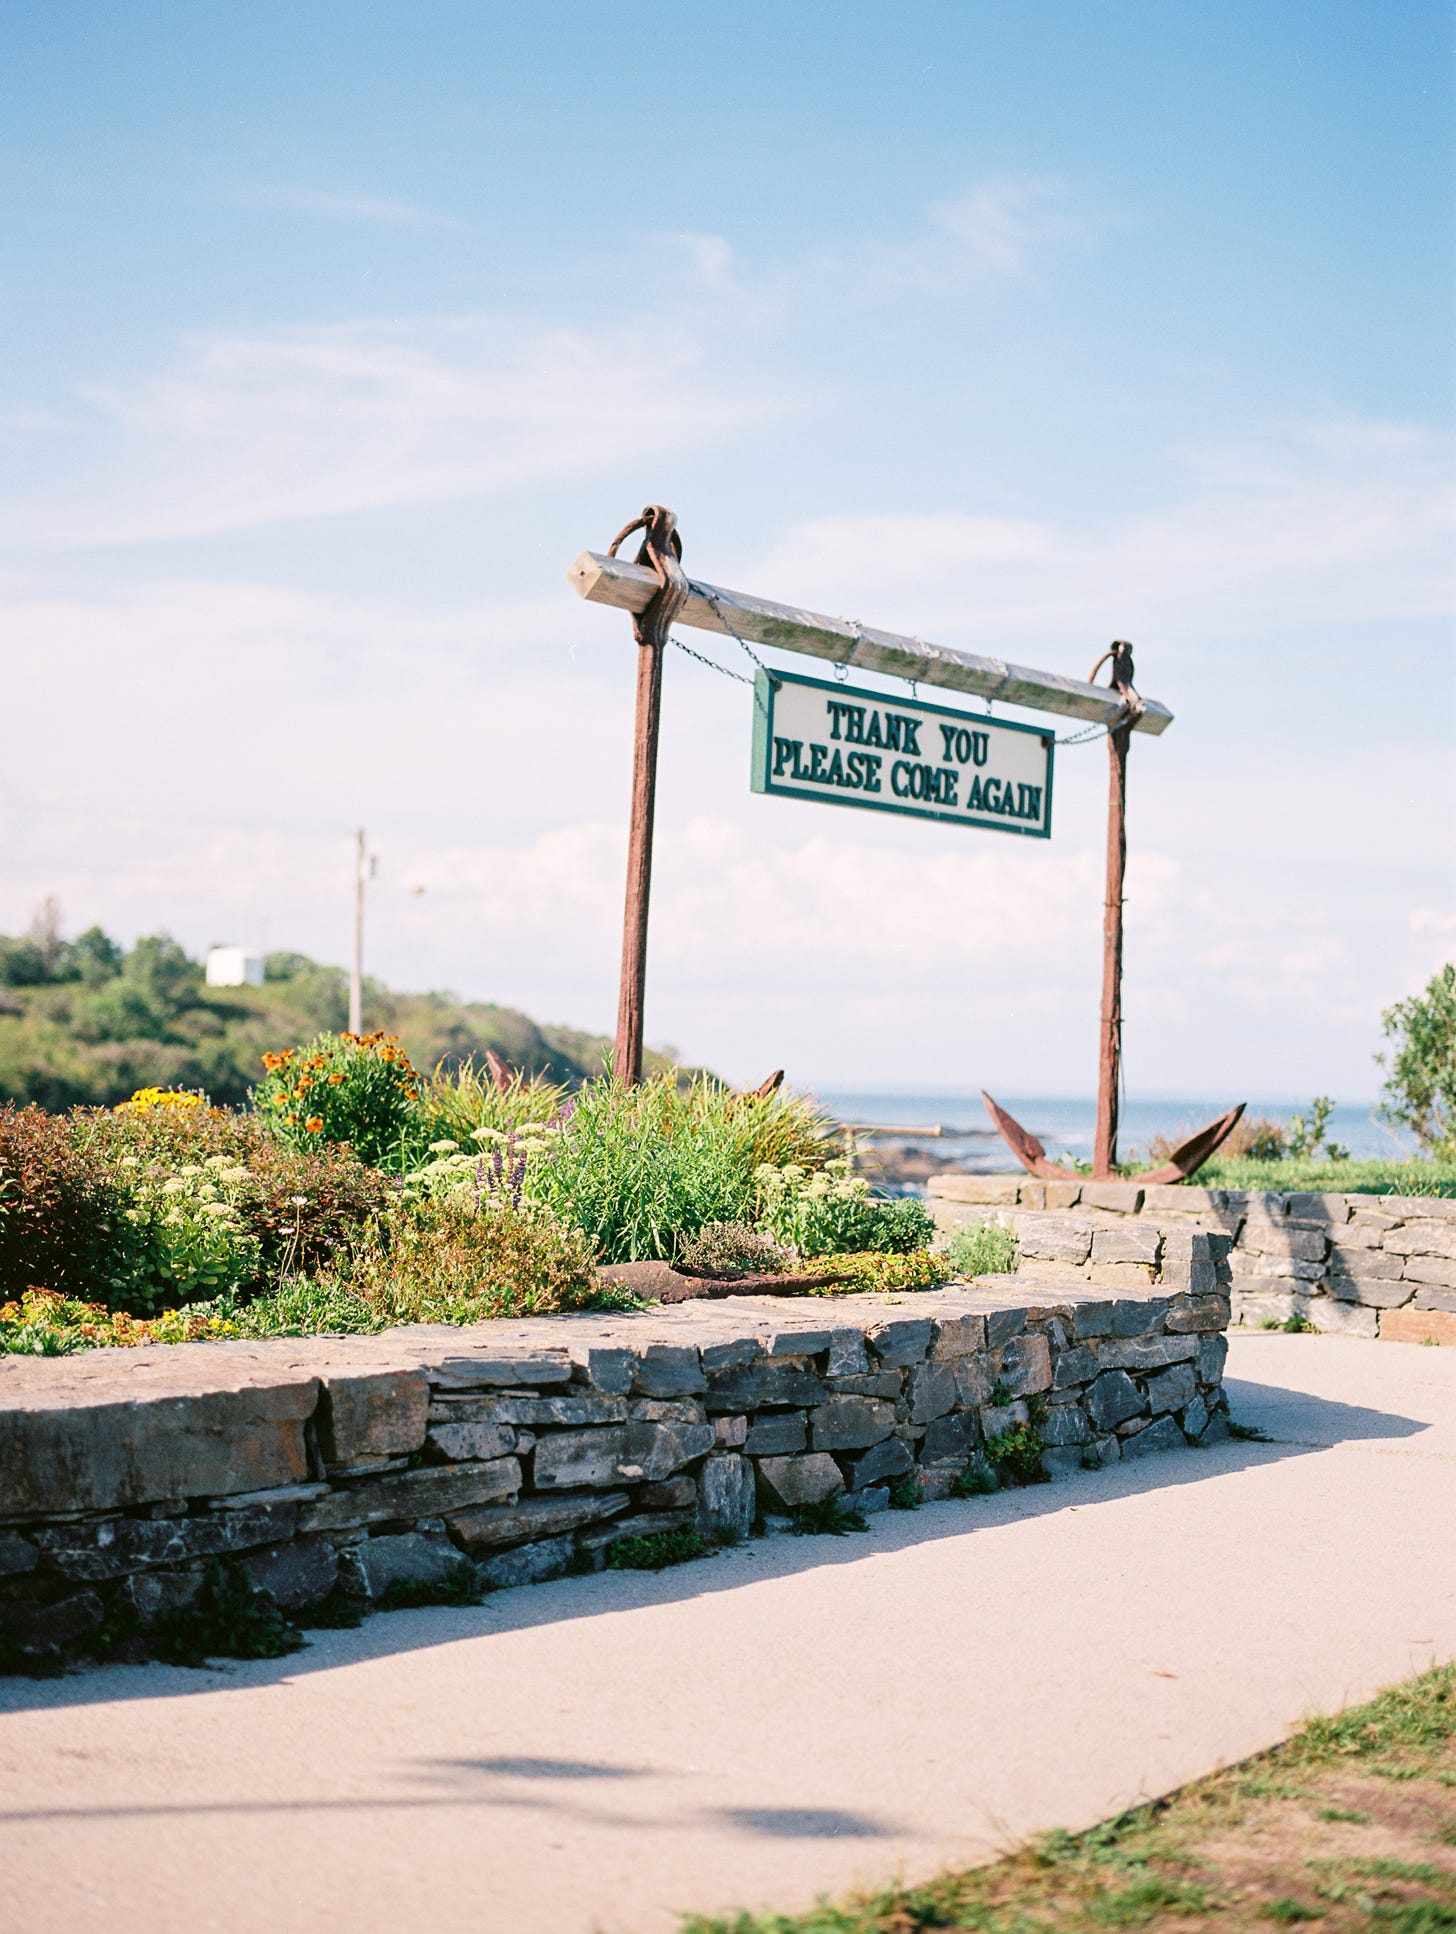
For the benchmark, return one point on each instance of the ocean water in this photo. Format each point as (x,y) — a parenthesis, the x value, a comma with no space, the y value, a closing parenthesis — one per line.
(1067,1122)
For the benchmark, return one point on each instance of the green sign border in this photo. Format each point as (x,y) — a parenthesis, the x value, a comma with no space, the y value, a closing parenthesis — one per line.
(766,683)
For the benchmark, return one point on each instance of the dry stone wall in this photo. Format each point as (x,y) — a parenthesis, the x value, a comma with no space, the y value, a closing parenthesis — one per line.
(351,1469)
(1365,1265)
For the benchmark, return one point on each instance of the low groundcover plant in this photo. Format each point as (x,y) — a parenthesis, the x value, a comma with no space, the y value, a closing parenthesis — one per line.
(830,1211)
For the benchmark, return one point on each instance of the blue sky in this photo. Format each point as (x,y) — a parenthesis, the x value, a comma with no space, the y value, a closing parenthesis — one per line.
(329,334)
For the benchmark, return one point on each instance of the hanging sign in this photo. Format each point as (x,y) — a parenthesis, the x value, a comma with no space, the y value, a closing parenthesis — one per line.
(850,747)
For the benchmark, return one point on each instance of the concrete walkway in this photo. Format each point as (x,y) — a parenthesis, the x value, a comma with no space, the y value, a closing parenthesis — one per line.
(793,1717)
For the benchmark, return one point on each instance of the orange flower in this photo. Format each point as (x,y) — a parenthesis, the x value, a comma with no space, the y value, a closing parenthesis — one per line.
(314,1124)
(334,1080)
(291,1119)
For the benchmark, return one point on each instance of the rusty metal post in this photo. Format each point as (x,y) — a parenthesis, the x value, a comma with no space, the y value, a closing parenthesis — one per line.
(1104,1153)
(661,548)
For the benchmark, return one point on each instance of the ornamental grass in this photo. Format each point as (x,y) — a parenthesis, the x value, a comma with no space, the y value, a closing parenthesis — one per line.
(640,1169)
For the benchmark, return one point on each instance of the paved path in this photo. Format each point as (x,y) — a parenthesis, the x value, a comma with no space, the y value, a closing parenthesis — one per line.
(791,1717)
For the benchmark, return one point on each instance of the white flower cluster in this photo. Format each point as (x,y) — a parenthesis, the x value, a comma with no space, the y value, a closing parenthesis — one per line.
(493,1172)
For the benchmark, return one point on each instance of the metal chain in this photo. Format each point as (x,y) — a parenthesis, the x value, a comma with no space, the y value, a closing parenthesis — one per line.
(1124,717)
(712,663)
(713,599)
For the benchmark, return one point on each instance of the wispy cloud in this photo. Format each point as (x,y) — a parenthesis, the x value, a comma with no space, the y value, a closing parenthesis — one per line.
(709,258)
(393,211)
(249,430)
(1004,224)
(1002,228)
(1332,524)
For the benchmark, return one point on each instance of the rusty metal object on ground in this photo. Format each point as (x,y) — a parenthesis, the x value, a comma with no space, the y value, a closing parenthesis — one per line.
(664,1284)
(1188,1156)
(1024,1145)
(1193,1153)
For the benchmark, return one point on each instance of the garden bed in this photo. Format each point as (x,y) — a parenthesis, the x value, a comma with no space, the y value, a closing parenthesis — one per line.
(358,1195)
(148,1498)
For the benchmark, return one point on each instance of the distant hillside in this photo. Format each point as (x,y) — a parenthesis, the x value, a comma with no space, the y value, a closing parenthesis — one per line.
(84,1021)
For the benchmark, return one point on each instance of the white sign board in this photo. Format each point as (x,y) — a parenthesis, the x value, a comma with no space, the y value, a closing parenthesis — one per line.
(846,746)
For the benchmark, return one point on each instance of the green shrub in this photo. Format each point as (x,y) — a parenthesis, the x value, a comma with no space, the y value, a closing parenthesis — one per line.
(977,1480)
(302,1205)
(1420,1089)
(65,1227)
(658,1550)
(638,1169)
(194,1242)
(307,1207)
(831,1212)
(732,1245)
(230,1620)
(906,1492)
(448,1261)
(834,1515)
(414,1594)
(1306,1134)
(982,1249)
(1015,1454)
(354,1088)
(165,1200)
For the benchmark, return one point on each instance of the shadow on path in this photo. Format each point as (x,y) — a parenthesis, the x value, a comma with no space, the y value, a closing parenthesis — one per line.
(769,1822)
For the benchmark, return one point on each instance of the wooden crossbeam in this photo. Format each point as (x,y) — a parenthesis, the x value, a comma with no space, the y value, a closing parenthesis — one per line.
(630,587)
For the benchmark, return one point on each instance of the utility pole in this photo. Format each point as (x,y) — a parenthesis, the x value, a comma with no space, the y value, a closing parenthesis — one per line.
(364,869)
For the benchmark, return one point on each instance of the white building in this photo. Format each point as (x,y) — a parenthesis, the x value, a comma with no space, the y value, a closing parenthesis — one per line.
(233,967)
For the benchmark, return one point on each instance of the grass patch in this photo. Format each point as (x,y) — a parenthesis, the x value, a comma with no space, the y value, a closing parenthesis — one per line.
(1248,1433)
(230,1620)
(658,1550)
(1319,1177)
(982,1249)
(906,1493)
(977,1480)
(834,1515)
(1273,1842)
(409,1593)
